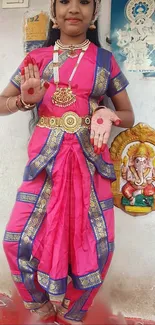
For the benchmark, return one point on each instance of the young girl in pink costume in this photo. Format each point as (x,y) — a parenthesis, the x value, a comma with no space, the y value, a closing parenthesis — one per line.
(62,223)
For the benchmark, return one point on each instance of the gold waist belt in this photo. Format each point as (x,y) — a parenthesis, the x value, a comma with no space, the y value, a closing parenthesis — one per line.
(69,122)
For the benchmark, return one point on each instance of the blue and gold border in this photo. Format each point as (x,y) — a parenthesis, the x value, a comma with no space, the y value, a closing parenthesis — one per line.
(107,204)
(26,197)
(28,265)
(12,236)
(101,78)
(47,153)
(117,84)
(104,169)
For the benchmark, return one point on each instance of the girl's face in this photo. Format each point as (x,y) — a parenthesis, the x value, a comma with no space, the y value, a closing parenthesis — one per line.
(74,16)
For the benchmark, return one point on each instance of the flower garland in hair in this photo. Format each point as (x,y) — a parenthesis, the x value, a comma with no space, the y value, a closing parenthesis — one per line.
(97,9)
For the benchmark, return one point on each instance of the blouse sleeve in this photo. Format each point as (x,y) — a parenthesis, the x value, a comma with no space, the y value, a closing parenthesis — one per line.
(15,79)
(118,81)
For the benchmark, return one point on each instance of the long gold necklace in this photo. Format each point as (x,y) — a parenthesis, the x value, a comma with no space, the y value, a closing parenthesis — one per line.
(64,97)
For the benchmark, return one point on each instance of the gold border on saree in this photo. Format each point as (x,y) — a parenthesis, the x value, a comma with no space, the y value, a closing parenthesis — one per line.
(70,122)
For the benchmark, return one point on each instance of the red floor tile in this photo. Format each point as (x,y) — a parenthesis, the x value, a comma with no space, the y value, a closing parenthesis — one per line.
(12,311)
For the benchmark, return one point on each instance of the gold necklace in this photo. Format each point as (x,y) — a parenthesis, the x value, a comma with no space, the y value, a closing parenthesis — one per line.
(64,97)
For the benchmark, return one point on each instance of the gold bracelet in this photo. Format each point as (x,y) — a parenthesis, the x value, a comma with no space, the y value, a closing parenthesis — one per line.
(8,106)
(26,106)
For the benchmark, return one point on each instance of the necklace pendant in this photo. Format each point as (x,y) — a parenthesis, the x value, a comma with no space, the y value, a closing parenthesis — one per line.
(72,52)
(72,56)
(63,97)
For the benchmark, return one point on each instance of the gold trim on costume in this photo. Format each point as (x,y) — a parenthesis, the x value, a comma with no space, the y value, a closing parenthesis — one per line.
(117,84)
(57,298)
(89,280)
(105,169)
(33,305)
(76,313)
(49,168)
(12,236)
(34,262)
(96,217)
(17,278)
(98,223)
(26,197)
(93,105)
(48,152)
(16,78)
(66,303)
(101,82)
(38,214)
(107,204)
(54,287)
(30,264)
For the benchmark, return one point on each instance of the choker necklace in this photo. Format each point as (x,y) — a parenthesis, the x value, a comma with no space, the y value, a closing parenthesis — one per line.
(64,97)
(73,47)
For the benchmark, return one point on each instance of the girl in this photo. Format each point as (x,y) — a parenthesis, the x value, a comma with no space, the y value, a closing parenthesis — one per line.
(62,222)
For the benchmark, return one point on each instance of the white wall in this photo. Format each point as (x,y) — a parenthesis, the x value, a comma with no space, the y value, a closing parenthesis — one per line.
(130,284)
(131,280)
(13,129)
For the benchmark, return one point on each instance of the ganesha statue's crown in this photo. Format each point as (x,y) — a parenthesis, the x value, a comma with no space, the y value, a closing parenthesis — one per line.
(140,150)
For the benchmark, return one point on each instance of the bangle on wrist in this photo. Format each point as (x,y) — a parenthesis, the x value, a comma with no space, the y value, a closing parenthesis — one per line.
(8,106)
(98,108)
(22,106)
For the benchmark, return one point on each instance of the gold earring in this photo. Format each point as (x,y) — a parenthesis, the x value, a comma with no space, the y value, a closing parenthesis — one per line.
(55,26)
(92,26)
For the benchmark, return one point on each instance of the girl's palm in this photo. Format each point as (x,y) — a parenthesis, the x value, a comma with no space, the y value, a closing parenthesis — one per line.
(32,87)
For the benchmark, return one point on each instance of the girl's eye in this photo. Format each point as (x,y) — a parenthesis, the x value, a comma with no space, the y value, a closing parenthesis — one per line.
(64,1)
(84,2)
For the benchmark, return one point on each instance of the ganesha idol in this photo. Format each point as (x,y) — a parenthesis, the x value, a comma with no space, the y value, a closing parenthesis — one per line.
(133,155)
(139,172)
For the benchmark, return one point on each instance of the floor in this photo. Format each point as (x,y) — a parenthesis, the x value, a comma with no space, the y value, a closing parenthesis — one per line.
(12,312)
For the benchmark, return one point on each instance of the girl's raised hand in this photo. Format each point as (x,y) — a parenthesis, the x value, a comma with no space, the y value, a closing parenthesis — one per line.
(33,88)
